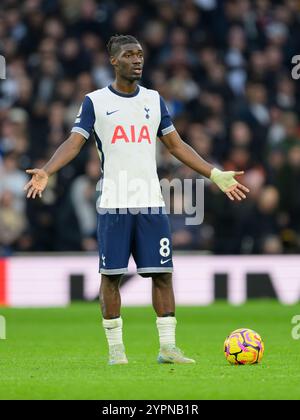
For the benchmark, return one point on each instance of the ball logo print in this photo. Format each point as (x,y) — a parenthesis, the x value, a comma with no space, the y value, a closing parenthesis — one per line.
(243,347)
(2,328)
(2,67)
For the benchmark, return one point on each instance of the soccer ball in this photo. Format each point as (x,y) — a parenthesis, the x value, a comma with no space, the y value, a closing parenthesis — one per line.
(244,347)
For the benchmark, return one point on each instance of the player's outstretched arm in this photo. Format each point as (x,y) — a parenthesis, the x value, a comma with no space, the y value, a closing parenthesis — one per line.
(225,180)
(66,152)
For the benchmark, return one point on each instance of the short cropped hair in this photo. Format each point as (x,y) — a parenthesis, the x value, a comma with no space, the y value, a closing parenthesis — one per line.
(116,41)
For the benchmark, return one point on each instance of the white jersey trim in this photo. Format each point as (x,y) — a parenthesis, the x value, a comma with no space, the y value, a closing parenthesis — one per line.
(168,130)
(80,131)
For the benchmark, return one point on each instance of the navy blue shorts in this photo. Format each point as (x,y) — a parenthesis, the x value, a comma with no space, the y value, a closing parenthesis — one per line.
(145,235)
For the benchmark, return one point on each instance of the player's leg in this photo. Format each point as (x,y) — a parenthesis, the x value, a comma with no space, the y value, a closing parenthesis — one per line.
(109,296)
(110,303)
(153,256)
(164,306)
(162,294)
(114,237)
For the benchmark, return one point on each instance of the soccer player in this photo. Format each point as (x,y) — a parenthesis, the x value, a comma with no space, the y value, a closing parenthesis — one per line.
(126,119)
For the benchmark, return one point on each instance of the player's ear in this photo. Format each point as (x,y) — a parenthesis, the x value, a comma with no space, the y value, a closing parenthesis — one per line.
(113,60)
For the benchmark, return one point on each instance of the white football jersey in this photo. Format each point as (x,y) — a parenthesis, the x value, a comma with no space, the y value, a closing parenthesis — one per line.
(126,127)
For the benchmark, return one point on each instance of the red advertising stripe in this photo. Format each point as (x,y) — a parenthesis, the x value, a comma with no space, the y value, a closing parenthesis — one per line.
(3,282)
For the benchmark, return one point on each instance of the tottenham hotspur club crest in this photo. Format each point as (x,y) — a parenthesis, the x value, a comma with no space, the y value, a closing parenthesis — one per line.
(147,112)
(103,260)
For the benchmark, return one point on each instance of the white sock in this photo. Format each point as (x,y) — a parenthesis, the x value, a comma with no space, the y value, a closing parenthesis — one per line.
(166,330)
(113,330)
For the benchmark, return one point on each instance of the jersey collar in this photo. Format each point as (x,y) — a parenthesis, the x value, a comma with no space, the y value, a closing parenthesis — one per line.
(124,95)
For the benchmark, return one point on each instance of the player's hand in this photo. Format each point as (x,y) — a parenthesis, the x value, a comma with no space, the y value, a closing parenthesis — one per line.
(37,184)
(228,184)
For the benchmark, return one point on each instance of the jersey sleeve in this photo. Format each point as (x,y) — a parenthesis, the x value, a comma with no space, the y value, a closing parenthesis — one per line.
(166,124)
(85,119)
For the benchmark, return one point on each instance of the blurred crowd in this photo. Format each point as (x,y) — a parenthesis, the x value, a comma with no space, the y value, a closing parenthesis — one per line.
(224,69)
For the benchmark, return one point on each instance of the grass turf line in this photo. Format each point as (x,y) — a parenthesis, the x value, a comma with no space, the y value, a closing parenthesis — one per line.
(62,354)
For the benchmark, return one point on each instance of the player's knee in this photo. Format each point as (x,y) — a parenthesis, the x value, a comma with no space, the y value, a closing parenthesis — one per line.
(162,280)
(111,281)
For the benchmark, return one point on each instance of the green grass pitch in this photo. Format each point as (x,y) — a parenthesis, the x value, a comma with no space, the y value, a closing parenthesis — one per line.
(61,354)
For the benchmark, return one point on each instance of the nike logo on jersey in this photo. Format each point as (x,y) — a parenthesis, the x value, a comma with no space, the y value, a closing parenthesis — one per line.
(165,261)
(112,112)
